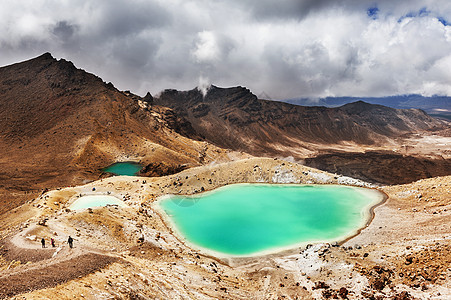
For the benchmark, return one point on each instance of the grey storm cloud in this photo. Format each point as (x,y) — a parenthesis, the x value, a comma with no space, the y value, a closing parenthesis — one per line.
(64,30)
(286,48)
(283,9)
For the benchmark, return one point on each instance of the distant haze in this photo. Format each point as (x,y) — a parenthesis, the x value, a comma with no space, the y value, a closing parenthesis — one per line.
(439,106)
(283,49)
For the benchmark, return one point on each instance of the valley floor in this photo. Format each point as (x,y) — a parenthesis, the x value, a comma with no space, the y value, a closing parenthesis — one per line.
(130,253)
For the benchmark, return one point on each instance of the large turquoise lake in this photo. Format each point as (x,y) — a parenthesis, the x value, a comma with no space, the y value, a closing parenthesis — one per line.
(250,219)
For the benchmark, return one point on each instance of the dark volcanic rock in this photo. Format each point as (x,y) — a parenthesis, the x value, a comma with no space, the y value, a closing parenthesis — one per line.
(262,127)
(234,118)
(201,110)
(157,169)
(380,167)
(148,98)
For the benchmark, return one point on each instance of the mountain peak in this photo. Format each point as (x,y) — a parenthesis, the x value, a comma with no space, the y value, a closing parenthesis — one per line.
(43,90)
(37,62)
(360,106)
(45,56)
(359,103)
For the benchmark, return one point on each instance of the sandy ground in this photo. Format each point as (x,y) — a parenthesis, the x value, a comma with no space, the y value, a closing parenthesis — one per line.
(130,253)
(424,144)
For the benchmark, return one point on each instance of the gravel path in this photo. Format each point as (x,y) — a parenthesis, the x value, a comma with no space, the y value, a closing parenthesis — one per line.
(11,252)
(42,268)
(52,274)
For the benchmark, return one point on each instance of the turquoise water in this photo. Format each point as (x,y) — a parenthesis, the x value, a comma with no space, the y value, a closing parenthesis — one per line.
(245,219)
(124,168)
(95,201)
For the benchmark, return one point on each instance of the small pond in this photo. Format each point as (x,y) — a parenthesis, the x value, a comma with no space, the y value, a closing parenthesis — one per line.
(124,168)
(252,219)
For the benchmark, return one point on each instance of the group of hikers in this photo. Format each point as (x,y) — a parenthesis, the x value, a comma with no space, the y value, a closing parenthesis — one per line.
(70,241)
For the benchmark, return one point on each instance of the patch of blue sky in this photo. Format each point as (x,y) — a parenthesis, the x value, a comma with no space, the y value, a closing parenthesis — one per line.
(423,12)
(373,12)
(443,21)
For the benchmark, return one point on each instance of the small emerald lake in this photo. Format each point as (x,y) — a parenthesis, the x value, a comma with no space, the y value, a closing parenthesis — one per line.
(124,168)
(250,219)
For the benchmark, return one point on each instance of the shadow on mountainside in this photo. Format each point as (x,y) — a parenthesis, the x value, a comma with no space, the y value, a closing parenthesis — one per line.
(381,167)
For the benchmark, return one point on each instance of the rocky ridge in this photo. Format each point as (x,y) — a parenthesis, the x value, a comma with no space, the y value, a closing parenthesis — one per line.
(351,140)
(59,125)
(266,127)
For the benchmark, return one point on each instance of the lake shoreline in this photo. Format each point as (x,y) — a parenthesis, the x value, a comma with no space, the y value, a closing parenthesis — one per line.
(273,250)
(154,255)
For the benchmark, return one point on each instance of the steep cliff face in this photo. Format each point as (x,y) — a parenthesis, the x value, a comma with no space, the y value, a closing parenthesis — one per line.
(234,118)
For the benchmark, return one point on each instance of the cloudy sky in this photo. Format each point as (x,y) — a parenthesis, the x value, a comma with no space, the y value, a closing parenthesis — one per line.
(283,48)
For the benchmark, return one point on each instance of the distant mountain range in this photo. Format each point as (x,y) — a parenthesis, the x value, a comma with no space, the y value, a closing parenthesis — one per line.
(437,106)
(335,139)
(235,118)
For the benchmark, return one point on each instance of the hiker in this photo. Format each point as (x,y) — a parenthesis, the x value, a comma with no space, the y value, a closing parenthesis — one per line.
(43,243)
(70,241)
(52,241)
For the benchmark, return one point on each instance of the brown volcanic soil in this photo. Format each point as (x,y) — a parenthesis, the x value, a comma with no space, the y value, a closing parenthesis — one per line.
(381,167)
(60,125)
(10,252)
(320,134)
(53,274)
(404,252)
(263,127)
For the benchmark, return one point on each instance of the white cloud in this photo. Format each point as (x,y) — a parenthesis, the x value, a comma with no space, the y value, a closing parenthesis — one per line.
(207,48)
(295,49)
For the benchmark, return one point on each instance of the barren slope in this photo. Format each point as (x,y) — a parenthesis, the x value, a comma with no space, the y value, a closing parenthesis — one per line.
(261,126)
(403,254)
(358,134)
(59,125)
